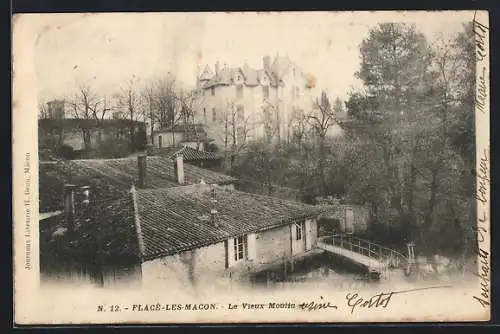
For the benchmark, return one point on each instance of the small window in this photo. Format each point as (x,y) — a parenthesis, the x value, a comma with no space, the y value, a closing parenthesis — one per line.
(239,91)
(265,92)
(239,248)
(213,91)
(214,115)
(160,142)
(298,231)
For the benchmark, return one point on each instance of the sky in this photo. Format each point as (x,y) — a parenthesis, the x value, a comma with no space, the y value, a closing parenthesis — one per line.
(107,51)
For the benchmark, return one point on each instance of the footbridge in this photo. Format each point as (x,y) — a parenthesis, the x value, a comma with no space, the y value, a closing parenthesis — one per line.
(374,257)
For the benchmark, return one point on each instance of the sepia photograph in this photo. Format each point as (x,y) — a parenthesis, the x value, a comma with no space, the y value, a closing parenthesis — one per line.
(251,167)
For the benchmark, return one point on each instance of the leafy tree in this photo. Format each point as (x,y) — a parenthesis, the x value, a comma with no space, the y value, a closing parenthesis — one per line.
(406,148)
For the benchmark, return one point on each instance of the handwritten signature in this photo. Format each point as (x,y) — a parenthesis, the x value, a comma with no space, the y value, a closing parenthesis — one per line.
(480,32)
(482,178)
(382,300)
(314,306)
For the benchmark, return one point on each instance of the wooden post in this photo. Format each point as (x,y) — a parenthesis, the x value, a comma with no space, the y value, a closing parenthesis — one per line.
(285,273)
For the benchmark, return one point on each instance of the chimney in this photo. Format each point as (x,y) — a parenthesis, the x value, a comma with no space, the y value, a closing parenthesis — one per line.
(86,195)
(213,211)
(266,62)
(179,168)
(217,68)
(141,167)
(69,207)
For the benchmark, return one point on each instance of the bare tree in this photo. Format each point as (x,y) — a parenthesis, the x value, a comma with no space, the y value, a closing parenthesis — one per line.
(88,106)
(236,127)
(147,97)
(43,111)
(187,99)
(129,107)
(321,121)
(299,127)
(270,121)
(167,108)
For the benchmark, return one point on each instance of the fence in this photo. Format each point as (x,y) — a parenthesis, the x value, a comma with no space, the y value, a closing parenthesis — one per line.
(389,257)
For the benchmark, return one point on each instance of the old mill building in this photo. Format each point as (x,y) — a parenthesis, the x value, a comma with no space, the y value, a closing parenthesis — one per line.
(156,220)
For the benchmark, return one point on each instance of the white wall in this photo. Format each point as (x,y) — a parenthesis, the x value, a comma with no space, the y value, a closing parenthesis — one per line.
(195,145)
(167,139)
(207,263)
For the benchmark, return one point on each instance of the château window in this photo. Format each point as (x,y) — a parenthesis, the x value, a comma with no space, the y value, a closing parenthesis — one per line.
(265,92)
(299,229)
(239,91)
(239,248)
(214,115)
(213,91)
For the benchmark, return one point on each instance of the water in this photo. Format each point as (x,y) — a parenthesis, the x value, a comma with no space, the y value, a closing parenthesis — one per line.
(334,272)
(316,269)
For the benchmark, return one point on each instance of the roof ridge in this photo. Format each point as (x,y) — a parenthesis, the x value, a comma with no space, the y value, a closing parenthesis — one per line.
(137,222)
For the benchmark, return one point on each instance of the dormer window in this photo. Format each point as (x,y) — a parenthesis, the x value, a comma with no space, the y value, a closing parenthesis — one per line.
(238,78)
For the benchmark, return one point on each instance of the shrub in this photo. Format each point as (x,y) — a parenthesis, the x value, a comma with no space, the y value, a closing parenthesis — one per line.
(66,152)
(113,148)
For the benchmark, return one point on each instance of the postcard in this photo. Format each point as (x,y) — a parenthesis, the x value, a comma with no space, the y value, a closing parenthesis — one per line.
(251,167)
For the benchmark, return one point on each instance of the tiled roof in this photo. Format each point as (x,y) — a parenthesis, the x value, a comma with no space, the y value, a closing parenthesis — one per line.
(107,224)
(252,76)
(206,74)
(111,177)
(178,219)
(189,153)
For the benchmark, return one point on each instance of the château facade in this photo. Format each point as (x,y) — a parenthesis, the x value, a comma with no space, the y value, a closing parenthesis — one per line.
(238,104)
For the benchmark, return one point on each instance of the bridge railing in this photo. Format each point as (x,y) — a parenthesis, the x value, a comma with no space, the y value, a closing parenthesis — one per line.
(388,257)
